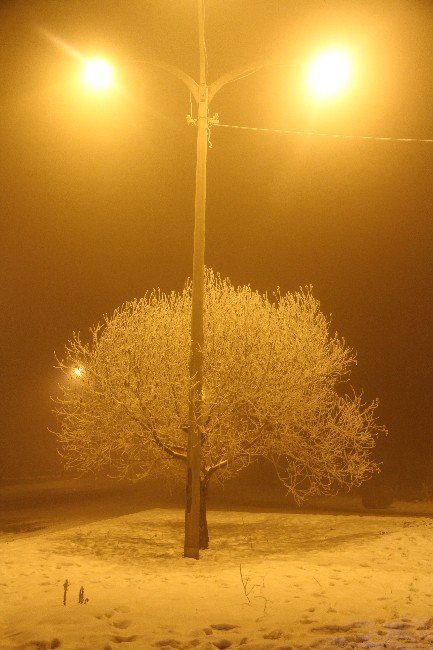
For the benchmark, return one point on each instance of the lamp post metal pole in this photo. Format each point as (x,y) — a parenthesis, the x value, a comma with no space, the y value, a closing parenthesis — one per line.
(192,508)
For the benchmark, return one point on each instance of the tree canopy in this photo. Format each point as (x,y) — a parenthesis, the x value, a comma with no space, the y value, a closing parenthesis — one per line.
(276,386)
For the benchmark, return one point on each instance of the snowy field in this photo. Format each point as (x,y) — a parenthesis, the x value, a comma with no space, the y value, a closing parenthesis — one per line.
(270,580)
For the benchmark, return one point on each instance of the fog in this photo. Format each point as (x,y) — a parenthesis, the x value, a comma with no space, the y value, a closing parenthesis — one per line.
(98,194)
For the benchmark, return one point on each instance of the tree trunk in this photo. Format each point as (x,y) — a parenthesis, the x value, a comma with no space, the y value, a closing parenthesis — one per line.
(204,534)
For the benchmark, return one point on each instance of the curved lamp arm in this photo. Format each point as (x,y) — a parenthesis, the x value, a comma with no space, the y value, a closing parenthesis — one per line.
(189,82)
(236,74)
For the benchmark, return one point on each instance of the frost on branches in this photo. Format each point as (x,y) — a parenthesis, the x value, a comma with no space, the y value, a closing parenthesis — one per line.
(275,386)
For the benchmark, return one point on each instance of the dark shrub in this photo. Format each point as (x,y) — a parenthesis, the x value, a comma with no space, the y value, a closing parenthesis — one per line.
(377,496)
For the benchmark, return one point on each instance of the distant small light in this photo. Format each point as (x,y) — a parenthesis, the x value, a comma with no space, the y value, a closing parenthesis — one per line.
(78,372)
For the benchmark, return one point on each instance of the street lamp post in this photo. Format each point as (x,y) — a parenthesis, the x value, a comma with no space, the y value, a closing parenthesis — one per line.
(97,75)
(192,509)
(203,96)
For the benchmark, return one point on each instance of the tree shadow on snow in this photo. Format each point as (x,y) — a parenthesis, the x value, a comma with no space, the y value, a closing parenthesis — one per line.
(155,535)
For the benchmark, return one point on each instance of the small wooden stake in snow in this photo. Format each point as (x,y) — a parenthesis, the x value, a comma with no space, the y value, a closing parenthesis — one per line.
(65,589)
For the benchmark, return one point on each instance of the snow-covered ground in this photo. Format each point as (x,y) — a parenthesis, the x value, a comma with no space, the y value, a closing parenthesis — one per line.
(269,580)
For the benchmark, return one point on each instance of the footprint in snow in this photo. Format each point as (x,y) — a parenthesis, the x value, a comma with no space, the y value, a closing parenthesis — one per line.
(124,609)
(41,645)
(123,639)
(121,625)
(273,634)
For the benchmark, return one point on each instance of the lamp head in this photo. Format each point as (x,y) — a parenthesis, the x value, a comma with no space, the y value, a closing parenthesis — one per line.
(329,73)
(98,74)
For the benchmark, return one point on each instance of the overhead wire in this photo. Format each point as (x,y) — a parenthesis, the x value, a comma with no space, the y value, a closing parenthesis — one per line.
(336,136)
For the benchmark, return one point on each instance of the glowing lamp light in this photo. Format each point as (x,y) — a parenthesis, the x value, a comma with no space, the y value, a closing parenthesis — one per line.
(77,372)
(98,74)
(329,73)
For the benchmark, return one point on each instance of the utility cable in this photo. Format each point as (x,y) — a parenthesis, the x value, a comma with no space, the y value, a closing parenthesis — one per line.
(336,136)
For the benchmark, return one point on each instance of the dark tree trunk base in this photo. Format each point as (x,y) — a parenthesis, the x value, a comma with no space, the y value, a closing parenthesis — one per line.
(204,533)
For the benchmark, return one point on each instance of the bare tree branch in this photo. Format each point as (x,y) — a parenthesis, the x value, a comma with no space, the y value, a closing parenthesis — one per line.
(168,450)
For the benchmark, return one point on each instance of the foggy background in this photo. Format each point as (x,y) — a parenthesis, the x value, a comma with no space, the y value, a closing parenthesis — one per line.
(97,191)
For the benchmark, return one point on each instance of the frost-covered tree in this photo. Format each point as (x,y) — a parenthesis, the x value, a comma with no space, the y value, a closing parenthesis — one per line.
(275,387)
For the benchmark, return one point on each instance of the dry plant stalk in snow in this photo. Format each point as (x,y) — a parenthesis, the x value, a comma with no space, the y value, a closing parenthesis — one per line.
(275,387)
